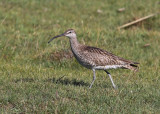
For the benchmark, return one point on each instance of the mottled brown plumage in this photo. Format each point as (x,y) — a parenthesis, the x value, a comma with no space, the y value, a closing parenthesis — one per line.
(101,57)
(95,58)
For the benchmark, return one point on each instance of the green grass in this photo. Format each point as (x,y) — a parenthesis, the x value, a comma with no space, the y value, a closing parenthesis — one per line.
(29,72)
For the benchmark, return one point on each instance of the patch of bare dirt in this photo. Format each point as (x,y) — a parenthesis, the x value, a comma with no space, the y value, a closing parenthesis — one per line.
(60,55)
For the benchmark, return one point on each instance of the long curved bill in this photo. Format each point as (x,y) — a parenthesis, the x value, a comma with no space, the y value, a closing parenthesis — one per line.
(55,37)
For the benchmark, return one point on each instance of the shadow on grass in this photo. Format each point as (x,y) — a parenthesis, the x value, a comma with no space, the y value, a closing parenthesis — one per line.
(64,81)
(67,81)
(24,80)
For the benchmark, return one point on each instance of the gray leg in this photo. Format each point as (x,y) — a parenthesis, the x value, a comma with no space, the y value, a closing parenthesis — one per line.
(94,77)
(110,78)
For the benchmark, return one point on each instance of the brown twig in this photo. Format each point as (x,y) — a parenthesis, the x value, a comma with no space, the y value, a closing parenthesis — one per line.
(138,20)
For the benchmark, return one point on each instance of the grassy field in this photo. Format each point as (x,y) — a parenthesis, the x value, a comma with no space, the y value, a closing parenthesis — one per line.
(30,68)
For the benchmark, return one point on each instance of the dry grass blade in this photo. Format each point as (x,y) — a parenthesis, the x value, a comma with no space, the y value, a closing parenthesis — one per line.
(137,21)
(121,9)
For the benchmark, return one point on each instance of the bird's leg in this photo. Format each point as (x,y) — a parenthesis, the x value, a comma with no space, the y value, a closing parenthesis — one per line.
(94,77)
(110,78)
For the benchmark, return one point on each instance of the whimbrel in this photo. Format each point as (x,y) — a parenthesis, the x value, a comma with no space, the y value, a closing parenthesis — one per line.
(95,58)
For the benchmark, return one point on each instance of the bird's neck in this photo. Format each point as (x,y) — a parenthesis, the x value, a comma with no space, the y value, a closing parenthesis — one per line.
(74,44)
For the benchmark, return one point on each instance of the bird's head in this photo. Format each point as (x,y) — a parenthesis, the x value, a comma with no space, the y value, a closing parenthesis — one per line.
(70,33)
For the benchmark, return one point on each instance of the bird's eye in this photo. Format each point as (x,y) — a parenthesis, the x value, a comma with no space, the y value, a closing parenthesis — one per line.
(70,32)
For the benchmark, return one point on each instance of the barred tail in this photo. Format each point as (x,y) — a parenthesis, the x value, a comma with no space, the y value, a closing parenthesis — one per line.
(132,67)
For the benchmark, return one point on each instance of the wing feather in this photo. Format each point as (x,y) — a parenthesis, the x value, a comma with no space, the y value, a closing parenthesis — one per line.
(101,57)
